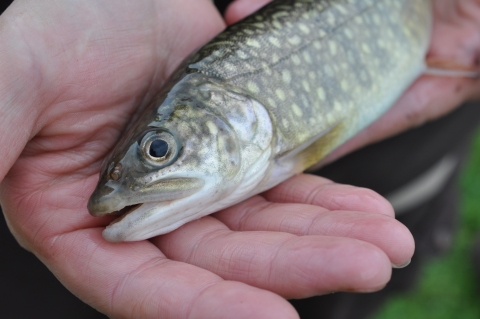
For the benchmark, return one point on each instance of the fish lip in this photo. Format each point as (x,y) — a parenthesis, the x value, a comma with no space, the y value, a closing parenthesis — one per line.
(125,210)
(96,211)
(114,203)
(122,213)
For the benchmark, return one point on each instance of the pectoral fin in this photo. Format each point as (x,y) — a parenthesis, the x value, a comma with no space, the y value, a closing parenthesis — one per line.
(314,149)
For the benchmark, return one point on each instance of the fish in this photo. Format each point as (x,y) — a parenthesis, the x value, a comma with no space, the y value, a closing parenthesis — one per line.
(264,100)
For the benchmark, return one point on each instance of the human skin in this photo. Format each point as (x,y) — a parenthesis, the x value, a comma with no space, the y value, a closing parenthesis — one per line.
(72,74)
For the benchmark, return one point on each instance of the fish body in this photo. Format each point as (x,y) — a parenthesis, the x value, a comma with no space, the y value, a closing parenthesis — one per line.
(264,100)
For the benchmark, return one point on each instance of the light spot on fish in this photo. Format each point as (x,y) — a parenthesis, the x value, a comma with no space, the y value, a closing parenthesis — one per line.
(218,54)
(296,109)
(321,94)
(280,14)
(221,142)
(306,86)
(202,151)
(330,18)
(280,94)
(274,41)
(253,43)
(267,69)
(304,28)
(212,127)
(242,55)
(294,40)
(271,102)
(365,48)
(286,76)
(344,85)
(317,45)
(259,25)
(348,33)
(333,47)
(275,58)
(252,87)
(296,59)
(337,106)
(229,66)
(276,24)
(341,9)
(312,75)
(330,118)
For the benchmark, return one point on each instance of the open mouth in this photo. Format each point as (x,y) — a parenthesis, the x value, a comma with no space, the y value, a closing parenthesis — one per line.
(123,212)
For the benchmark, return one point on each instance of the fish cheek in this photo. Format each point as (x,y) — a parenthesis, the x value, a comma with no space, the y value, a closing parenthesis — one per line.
(228,151)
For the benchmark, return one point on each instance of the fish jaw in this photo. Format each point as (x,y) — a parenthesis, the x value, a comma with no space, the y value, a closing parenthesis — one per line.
(107,200)
(151,219)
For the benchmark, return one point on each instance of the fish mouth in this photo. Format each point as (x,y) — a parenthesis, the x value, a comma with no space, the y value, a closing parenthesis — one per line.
(122,200)
(122,213)
(124,210)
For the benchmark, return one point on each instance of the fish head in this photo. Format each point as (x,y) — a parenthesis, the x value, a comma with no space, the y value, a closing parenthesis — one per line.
(180,148)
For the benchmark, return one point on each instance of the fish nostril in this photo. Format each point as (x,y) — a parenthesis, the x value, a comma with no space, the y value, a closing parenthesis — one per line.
(116,172)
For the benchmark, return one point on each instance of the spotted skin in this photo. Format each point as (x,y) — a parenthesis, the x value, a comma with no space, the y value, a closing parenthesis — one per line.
(315,63)
(265,99)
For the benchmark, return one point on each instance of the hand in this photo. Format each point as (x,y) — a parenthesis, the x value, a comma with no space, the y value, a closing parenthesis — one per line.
(72,74)
(455,38)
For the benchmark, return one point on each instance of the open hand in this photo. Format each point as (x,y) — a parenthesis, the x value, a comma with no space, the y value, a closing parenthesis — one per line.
(72,74)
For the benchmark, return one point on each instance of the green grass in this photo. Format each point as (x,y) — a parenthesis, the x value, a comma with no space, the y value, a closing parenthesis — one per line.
(448,288)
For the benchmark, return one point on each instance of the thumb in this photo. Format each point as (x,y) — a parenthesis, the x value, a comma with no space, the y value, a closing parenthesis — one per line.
(239,9)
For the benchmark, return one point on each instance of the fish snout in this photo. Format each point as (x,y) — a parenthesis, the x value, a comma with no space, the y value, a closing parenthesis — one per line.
(103,202)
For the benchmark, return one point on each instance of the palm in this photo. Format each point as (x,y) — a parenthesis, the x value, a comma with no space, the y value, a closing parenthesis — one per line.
(94,80)
(96,64)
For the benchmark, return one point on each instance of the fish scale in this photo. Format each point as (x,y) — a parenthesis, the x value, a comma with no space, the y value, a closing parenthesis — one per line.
(334,40)
(264,100)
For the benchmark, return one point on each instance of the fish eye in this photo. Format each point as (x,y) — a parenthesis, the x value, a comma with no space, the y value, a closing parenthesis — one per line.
(159,148)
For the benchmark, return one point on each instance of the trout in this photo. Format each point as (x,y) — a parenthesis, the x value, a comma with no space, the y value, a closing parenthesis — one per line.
(264,100)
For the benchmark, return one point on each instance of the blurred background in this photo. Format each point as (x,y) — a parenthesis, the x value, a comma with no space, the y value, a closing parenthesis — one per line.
(442,281)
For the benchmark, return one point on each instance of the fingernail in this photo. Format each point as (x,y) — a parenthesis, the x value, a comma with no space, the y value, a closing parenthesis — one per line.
(401,266)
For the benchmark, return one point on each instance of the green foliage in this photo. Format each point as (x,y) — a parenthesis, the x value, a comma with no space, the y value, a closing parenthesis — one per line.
(448,287)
